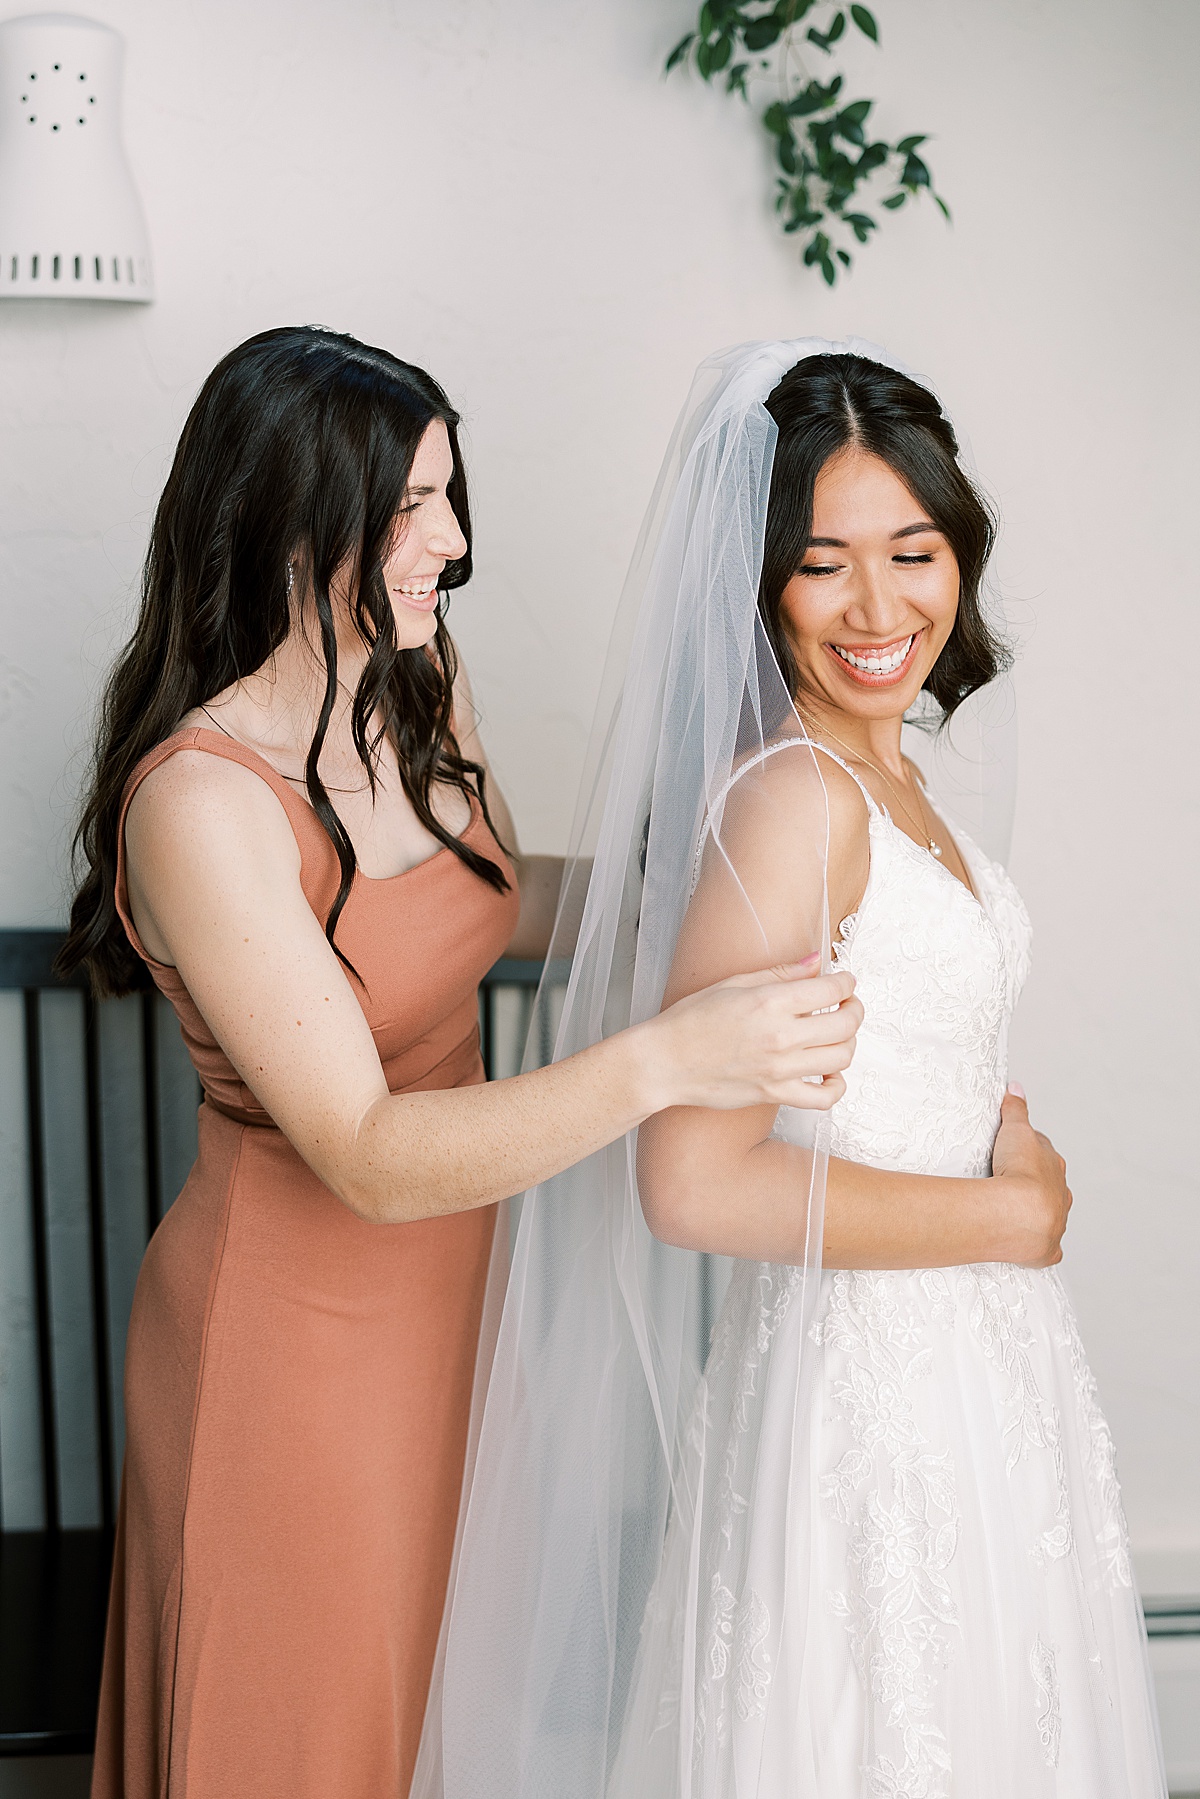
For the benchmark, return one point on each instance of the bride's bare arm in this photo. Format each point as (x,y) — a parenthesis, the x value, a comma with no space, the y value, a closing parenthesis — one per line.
(215,891)
(720,1182)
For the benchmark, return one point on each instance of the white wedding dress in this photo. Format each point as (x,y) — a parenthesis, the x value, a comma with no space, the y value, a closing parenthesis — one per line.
(971,1628)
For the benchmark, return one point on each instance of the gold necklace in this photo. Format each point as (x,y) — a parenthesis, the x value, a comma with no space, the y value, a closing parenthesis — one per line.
(934,848)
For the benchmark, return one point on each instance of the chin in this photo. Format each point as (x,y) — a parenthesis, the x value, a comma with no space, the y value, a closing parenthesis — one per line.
(414,634)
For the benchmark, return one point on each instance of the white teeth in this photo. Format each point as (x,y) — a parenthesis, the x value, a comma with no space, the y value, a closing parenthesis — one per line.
(876,664)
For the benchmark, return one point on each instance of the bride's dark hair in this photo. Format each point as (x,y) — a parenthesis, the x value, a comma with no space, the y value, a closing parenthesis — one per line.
(821,406)
(299,447)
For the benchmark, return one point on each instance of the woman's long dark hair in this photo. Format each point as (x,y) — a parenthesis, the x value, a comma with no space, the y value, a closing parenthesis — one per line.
(821,406)
(298,448)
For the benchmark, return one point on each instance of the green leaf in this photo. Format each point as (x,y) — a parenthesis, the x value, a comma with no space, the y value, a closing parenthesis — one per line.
(704,60)
(814,98)
(844,258)
(861,223)
(915,174)
(760,34)
(735,81)
(825,40)
(722,50)
(857,113)
(829,271)
(908,144)
(705,23)
(943,208)
(894,201)
(786,152)
(776,120)
(679,53)
(865,22)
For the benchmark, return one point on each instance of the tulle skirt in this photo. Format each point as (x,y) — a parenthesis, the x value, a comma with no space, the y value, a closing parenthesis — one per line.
(947,1610)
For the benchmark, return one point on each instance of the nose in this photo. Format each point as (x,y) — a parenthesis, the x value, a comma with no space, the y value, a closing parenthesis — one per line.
(446,537)
(877,609)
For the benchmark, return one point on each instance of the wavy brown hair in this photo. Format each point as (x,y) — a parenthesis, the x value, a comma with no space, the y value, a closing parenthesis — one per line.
(300,445)
(821,406)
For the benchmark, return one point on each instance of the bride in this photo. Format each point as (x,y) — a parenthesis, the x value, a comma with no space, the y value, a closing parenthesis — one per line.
(871,1541)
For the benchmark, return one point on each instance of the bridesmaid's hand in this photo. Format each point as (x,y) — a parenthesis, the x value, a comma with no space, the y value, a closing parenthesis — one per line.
(778,1037)
(1038,1198)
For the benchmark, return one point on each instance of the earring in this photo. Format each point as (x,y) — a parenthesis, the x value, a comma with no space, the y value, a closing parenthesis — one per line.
(291,579)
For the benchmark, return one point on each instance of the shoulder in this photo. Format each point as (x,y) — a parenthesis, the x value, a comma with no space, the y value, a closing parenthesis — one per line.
(202,811)
(794,819)
(793,797)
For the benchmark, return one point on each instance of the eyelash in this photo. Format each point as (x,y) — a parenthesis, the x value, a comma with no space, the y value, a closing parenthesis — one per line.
(831,568)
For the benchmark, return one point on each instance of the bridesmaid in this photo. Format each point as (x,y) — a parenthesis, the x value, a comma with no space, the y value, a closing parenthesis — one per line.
(292,826)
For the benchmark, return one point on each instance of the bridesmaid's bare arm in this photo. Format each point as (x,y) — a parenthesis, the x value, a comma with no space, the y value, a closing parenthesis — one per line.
(214,887)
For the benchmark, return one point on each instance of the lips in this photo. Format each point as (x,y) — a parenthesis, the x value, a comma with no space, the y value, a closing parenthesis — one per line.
(422,596)
(876,665)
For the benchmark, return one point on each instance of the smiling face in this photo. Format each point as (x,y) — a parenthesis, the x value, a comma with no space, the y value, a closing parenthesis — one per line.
(876,595)
(428,537)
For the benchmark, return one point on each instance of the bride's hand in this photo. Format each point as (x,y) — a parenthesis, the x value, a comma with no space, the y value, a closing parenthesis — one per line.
(1036,1176)
(758,1039)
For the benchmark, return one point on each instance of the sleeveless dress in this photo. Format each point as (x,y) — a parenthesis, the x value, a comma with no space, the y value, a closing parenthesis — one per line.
(959,1556)
(298,1385)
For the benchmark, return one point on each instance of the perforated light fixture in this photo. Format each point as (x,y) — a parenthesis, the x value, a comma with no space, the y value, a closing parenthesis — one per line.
(71,225)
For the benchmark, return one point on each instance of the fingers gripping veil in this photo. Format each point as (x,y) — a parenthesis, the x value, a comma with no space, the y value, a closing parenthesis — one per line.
(604,1633)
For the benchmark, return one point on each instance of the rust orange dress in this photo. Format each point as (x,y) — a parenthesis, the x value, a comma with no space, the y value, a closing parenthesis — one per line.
(297,1390)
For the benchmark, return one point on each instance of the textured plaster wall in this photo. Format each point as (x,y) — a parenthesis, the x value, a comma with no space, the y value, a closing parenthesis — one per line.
(510,195)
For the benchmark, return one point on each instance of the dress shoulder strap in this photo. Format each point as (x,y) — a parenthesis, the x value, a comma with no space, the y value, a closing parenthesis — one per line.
(872,805)
(744,768)
(309,833)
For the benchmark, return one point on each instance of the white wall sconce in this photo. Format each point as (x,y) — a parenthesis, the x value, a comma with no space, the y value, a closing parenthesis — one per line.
(71,224)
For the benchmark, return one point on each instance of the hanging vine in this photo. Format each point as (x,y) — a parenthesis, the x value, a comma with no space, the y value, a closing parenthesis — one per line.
(821,143)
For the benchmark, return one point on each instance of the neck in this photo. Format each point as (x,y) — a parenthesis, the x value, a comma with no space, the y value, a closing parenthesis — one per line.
(284,698)
(873,739)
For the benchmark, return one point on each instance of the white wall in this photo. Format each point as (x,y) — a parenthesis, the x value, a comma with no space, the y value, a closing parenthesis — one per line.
(509,194)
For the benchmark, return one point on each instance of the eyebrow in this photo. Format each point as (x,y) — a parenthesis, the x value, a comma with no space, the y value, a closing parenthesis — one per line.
(838,543)
(420,493)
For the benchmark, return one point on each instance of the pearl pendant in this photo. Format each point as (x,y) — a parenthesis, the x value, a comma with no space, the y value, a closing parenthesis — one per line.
(935,849)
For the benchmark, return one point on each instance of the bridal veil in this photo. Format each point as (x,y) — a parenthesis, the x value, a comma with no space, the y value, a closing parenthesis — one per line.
(588,1460)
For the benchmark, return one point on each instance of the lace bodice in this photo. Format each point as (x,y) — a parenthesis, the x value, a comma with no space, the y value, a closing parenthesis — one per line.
(938,973)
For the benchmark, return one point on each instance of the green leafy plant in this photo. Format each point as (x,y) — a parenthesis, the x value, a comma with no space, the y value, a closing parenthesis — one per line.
(821,141)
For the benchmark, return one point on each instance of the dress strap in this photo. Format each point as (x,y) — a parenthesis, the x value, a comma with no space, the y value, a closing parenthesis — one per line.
(873,807)
(310,836)
(755,761)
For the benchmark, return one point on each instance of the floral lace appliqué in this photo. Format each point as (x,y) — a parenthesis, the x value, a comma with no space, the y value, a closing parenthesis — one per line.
(899,1499)
(1042,1666)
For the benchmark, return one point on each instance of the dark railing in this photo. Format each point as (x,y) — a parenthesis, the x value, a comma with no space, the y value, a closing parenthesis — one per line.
(97,1133)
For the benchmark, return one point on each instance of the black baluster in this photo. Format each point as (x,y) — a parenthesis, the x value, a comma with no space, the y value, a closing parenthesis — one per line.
(41,1254)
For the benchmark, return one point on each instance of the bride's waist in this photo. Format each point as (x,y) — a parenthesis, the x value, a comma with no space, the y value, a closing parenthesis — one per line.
(949,1145)
(918,1114)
